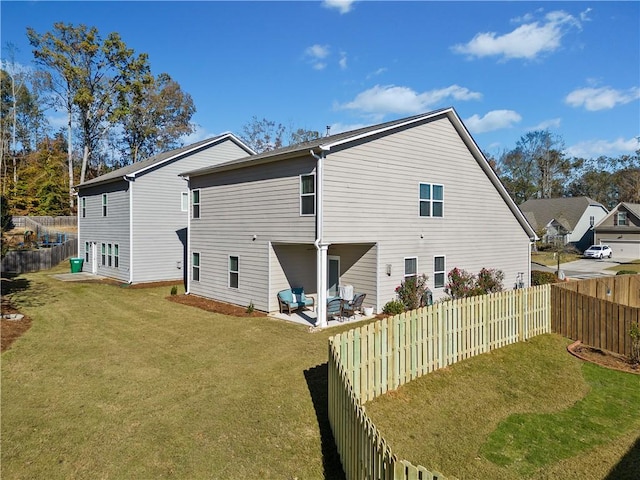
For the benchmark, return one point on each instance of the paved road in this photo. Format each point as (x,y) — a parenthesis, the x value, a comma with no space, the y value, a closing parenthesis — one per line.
(583,268)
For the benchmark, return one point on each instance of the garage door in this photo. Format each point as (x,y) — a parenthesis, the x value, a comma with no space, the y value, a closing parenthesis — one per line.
(629,250)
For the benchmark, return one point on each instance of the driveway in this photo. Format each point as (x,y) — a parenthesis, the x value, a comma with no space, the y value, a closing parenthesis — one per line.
(583,268)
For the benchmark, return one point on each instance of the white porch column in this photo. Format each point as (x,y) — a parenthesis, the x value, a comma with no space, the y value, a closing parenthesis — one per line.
(321,277)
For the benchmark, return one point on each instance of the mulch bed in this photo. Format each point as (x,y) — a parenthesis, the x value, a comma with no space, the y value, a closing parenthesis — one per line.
(603,358)
(10,330)
(213,306)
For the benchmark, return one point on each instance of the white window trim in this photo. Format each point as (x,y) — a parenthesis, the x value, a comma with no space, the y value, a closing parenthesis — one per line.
(110,255)
(116,255)
(431,200)
(404,267)
(444,272)
(307,194)
(624,217)
(184,201)
(229,271)
(194,267)
(83,207)
(87,250)
(103,254)
(105,205)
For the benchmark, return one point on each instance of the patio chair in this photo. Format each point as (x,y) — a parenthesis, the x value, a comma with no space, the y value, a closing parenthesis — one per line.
(334,309)
(349,309)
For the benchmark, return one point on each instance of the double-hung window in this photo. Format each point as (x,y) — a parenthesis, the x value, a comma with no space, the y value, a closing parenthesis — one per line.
(109,254)
(431,200)
(116,255)
(83,207)
(87,249)
(195,203)
(184,201)
(410,267)
(307,194)
(103,254)
(234,271)
(622,218)
(439,268)
(195,266)
(104,204)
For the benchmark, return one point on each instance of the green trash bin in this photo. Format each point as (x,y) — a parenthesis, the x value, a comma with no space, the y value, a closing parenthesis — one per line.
(76,264)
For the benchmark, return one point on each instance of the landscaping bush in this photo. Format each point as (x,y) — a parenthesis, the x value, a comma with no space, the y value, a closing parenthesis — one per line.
(411,291)
(542,278)
(626,272)
(394,307)
(464,284)
(174,290)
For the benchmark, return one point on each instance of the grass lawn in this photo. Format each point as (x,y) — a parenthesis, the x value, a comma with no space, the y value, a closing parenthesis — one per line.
(550,260)
(115,383)
(529,410)
(633,266)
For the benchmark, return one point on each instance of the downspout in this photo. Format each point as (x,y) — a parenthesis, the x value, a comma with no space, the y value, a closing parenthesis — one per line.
(77,195)
(321,247)
(130,180)
(188,259)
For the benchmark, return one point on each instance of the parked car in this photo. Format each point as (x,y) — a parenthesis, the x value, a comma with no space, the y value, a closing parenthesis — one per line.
(598,251)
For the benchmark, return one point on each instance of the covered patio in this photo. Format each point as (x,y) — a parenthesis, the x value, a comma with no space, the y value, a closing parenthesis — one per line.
(309,318)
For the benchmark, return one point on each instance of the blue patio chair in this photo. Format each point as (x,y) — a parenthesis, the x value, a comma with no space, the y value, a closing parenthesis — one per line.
(334,309)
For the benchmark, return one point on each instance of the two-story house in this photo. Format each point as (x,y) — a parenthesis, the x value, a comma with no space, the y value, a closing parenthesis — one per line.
(132,222)
(366,208)
(621,231)
(568,219)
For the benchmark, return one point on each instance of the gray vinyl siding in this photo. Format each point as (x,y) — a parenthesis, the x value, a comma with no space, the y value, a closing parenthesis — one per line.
(113,229)
(358,267)
(160,225)
(236,205)
(292,266)
(381,203)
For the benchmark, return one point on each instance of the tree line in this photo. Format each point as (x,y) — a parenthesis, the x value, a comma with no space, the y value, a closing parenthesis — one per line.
(118,112)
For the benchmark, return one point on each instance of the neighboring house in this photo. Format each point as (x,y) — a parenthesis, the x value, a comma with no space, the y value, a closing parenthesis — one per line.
(366,208)
(132,222)
(621,231)
(571,218)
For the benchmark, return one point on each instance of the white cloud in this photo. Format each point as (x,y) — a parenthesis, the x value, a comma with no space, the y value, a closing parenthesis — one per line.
(527,41)
(546,124)
(343,60)
(602,98)
(381,100)
(200,133)
(343,6)
(379,71)
(597,148)
(494,120)
(316,53)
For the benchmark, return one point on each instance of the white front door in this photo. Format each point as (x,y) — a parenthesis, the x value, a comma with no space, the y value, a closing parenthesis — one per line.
(94,257)
(334,276)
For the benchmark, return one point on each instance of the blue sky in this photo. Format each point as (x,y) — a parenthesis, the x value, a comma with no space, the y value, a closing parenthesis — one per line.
(506,67)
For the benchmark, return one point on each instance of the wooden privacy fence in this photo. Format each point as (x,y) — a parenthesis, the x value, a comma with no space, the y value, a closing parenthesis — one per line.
(369,361)
(22,261)
(46,221)
(598,312)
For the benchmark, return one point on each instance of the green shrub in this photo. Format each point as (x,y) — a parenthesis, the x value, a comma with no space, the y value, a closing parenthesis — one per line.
(626,272)
(250,307)
(174,290)
(542,278)
(411,291)
(394,307)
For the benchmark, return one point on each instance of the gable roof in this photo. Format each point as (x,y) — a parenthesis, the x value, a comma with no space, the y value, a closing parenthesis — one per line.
(138,168)
(566,211)
(325,144)
(633,208)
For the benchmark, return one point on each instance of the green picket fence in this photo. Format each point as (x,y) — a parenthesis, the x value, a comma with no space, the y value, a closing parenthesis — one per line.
(371,360)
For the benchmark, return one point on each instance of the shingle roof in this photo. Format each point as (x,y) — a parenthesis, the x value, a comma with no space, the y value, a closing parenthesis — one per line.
(138,167)
(567,211)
